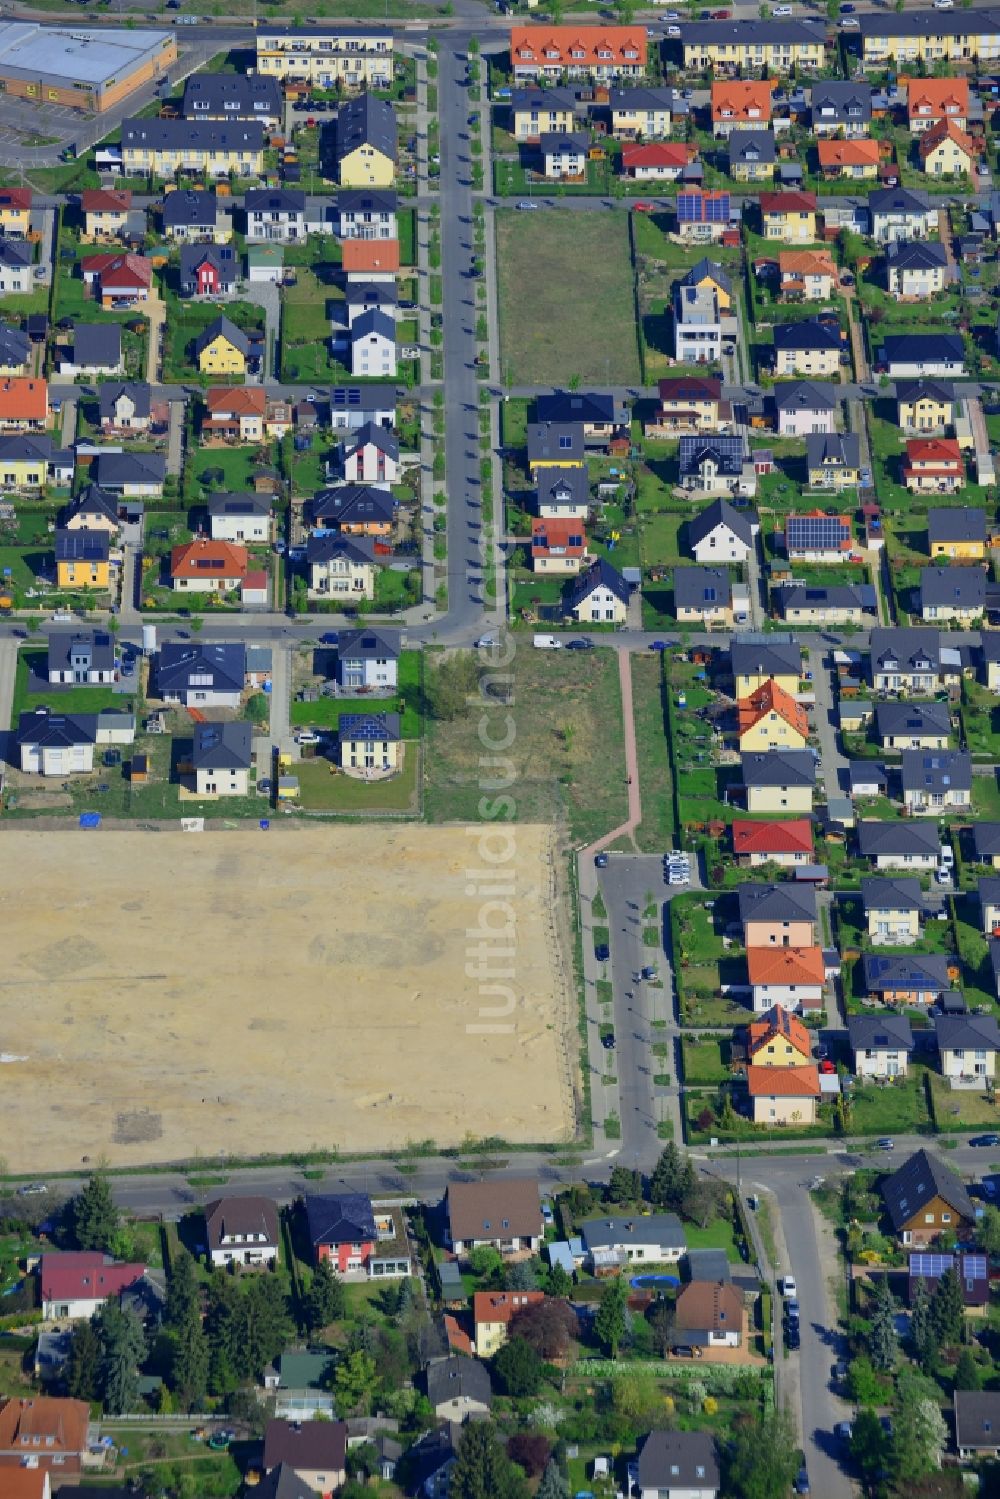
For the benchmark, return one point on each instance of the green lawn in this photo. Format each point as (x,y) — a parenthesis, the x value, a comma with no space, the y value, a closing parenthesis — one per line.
(656,831)
(551,265)
(326,712)
(184,323)
(891,1108)
(958,1109)
(224,468)
(305,329)
(68,699)
(716,1235)
(705,1059)
(325,789)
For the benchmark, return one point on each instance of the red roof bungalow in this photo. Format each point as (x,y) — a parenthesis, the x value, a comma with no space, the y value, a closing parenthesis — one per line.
(662,161)
(788,842)
(934,465)
(204,566)
(76,1284)
(118,280)
(557,546)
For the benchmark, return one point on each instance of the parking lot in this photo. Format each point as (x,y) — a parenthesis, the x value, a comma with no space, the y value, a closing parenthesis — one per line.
(23,123)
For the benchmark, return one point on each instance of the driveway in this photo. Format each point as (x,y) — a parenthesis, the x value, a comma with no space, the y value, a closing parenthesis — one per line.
(832,762)
(8,672)
(175,438)
(268,296)
(156,311)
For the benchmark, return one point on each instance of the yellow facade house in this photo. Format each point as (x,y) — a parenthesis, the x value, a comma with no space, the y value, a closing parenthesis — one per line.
(946,151)
(370,743)
(925,406)
(15,212)
(83,559)
(931,37)
(222,349)
(748,47)
(162,148)
(789,217)
(540,111)
(356,57)
(366,142)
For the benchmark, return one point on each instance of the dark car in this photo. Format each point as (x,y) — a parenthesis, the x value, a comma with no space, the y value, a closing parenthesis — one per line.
(885,1143)
(608,1041)
(802,1482)
(601,861)
(649,973)
(792,1335)
(330,638)
(658,645)
(987,1140)
(685,1350)
(583,644)
(602,952)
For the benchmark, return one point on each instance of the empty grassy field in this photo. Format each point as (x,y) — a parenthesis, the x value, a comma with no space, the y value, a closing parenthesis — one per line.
(143,1046)
(566,303)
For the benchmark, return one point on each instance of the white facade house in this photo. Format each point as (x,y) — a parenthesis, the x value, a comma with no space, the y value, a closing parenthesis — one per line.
(373,345)
(241,1231)
(657,1239)
(880,1044)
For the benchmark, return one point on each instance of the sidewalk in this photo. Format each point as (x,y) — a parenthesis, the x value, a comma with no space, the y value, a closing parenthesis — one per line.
(427,506)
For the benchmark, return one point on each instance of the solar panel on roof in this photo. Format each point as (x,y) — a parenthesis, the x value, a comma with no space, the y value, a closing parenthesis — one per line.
(819,531)
(932,1266)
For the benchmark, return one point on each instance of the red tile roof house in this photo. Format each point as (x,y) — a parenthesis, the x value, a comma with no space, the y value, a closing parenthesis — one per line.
(933,465)
(118,280)
(506,1214)
(557,546)
(656,161)
(787,843)
(47,1432)
(74,1285)
(204,566)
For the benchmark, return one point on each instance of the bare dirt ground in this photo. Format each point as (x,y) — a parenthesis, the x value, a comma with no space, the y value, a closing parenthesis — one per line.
(180,994)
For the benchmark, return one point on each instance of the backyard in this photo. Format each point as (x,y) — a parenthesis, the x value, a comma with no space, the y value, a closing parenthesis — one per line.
(566,300)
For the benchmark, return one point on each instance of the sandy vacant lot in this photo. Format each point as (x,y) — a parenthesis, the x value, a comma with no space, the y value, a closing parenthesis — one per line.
(174,993)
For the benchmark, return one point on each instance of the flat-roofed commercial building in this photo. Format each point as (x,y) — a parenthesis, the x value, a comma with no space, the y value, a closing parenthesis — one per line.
(93,70)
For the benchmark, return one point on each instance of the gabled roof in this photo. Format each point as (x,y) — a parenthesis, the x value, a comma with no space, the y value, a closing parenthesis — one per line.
(565,407)
(352,727)
(577,45)
(815,531)
(856,153)
(190,208)
(784,902)
(833,449)
(986,839)
(936,96)
(786,966)
(99,645)
(286,200)
(946,130)
(15,253)
(970,1032)
(791,202)
(685,1460)
(50,730)
(720,513)
(849,101)
(777,658)
(977,1419)
(15,345)
(891,972)
(245,137)
(783,1082)
(223,327)
(913,718)
(339,1218)
(353,200)
(563,486)
(939,391)
(806,263)
(232,96)
(555,442)
(179,661)
(600,575)
(502,1306)
(804,395)
(770,699)
(778,768)
(645,1228)
(354,504)
(458,1378)
(793,835)
(222,258)
(236,400)
(367,644)
(97,345)
(203,557)
(727,452)
(94,501)
(307,1446)
(334,544)
(222,746)
(226,1216)
(373,434)
(558,533)
(225,502)
(939,452)
(953,587)
(508,1206)
(741,99)
(123,269)
(752,145)
(106,199)
(956,524)
(918,1180)
(137,391)
(366,120)
(130,467)
(778,1024)
(706,1306)
(23,398)
(894,201)
(702,588)
(52,1425)
(882,894)
(655,154)
(82,546)
(908,648)
(876,838)
(85,1275)
(915,348)
(373,324)
(880,1033)
(375,255)
(283,1483)
(809,335)
(915,255)
(936,770)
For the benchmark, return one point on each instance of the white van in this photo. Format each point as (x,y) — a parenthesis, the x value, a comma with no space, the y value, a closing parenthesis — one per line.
(547,643)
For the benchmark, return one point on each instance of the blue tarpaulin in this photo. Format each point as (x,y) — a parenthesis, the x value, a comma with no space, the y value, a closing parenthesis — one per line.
(90,819)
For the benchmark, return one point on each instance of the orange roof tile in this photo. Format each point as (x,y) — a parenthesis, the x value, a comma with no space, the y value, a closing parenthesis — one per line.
(785,965)
(458,1339)
(501,1306)
(23,399)
(578,46)
(204,558)
(779,1023)
(568,535)
(241,400)
(806,263)
(939,450)
(369,255)
(848,153)
(946,130)
(767,699)
(936,96)
(783,1082)
(745,99)
(59,1425)
(791,837)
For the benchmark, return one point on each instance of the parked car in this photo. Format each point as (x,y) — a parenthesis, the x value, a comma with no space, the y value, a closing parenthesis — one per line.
(608,1041)
(885,1143)
(991,1141)
(601,861)
(788,1286)
(308,736)
(32,1189)
(802,1481)
(583,644)
(602,952)
(526,204)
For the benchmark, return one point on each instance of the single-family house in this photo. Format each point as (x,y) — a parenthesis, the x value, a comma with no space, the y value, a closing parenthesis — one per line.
(651,1239)
(833,460)
(967,1046)
(752,155)
(777,915)
(936,781)
(235,412)
(718,533)
(778,1039)
(806,275)
(703,217)
(367,214)
(803,406)
(946,151)
(907,355)
(900,213)
(811,347)
(678,1465)
(492,1314)
(534,111)
(708,1314)
(990,657)
(892,909)
(920,979)
(713,465)
(93,509)
(792,977)
(222,349)
(691,403)
(598,595)
(697,324)
(355,510)
(786,841)
(221,758)
(952,593)
(274,215)
(880,1044)
(924,1198)
(370,296)
(778,780)
(54,744)
(354,406)
(105,212)
(933,465)
(506,1213)
(558,546)
(205,566)
(906,660)
(367,660)
(915,270)
(789,217)
(370,455)
(770,718)
(117,280)
(369,744)
(929,101)
(371,260)
(925,406)
(642,114)
(743,103)
(986,843)
(241,1231)
(315,1451)
(908,725)
(655,161)
(555,445)
(366,142)
(989,905)
(703,596)
(83,559)
(841,109)
(28,461)
(602,415)
(15,212)
(899,845)
(754,661)
(245,518)
(192,216)
(340,566)
(564,154)
(208,272)
(562,493)
(459,1389)
(977,1424)
(783,1095)
(358,1239)
(96,350)
(200,674)
(125,407)
(81,658)
(72,1286)
(131,473)
(15,350)
(16,267)
(373,344)
(814,536)
(848,160)
(43,1432)
(958,533)
(847,604)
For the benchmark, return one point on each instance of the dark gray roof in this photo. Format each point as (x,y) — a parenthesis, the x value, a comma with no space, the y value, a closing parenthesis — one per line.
(362,398)
(986,839)
(371,294)
(457,1378)
(94,501)
(912,718)
(751,146)
(787,902)
(382,726)
(16,253)
(975,1032)
(849,102)
(916,348)
(831,596)
(15,345)
(15,446)
(929,23)
(224,259)
(563,486)
(601,574)
(351,504)
(956,523)
(952,587)
(222,746)
(842,448)
(82,546)
(810,334)
(804,395)
(778,768)
(977,1412)
(54,730)
(555,142)
(138,392)
(649,1228)
(916,1182)
(866,772)
(228,329)
(909,649)
(759,658)
(374,321)
(555,442)
(936,770)
(115,469)
(547,98)
(274,200)
(178,661)
(367,645)
(989,890)
(230,503)
(283,1483)
(190,208)
(571,406)
(97,344)
(745,33)
(386,442)
(897,200)
(316,1446)
(885,972)
(646,98)
(721,513)
(231,96)
(881,894)
(933,390)
(879,1033)
(175,135)
(915,255)
(702,588)
(708,1264)
(366,120)
(678,1460)
(98,644)
(913,837)
(339,1218)
(332,544)
(225,1216)
(353,200)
